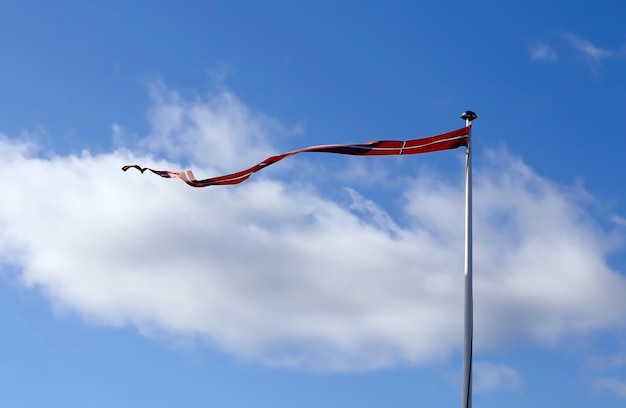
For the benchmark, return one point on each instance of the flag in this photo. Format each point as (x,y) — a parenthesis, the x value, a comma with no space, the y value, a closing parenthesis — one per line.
(450,140)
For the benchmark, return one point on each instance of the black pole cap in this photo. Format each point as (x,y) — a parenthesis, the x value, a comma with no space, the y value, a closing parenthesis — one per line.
(469,115)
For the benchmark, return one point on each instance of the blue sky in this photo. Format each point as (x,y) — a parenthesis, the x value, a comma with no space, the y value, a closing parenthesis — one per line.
(324,280)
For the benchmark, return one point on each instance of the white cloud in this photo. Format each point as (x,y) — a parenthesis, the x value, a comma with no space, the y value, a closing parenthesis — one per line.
(541,256)
(542,52)
(612,385)
(592,54)
(491,377)
(280,273)
(618,220)
(219,131)
(611,362)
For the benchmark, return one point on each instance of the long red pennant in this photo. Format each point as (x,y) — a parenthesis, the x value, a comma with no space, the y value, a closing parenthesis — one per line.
(450,140)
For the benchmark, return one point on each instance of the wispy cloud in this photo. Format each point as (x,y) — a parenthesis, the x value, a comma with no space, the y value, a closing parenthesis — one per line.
(276,271)
(592,54)
(542,52)
(492,377)
(612,385)
(611,362)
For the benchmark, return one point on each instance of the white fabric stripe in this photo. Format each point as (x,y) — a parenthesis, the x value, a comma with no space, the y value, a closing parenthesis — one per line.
(402,148)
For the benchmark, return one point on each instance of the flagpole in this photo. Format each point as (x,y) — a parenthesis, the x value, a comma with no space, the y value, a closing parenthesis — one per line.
(468,116)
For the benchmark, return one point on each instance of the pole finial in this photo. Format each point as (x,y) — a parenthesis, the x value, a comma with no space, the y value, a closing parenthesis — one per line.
(468,116)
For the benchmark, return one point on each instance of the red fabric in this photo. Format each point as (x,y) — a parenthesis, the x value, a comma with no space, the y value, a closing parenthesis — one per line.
(450,140)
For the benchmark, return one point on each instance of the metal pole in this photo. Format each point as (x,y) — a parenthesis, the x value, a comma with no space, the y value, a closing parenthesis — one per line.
(468,116)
